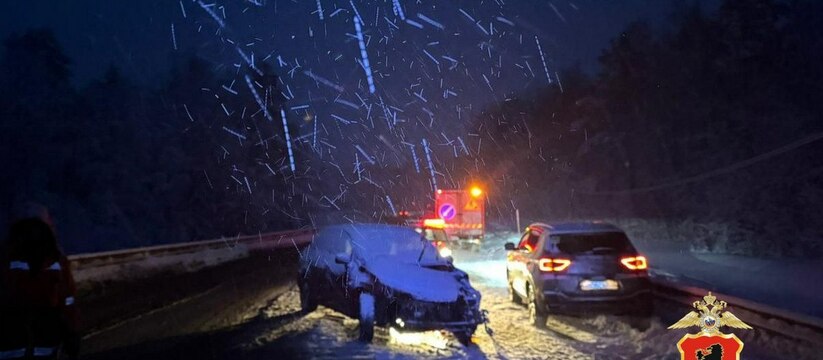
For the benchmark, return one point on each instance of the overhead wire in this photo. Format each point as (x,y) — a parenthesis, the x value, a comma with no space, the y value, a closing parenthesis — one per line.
(716,172)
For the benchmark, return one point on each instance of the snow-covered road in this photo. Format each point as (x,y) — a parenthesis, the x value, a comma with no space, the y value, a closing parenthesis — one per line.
(260,316)
(327,334)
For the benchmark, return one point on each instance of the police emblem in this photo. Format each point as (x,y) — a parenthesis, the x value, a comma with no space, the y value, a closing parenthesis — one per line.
(710,343)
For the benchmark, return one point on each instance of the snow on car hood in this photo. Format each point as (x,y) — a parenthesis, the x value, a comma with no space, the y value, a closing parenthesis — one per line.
(420,282)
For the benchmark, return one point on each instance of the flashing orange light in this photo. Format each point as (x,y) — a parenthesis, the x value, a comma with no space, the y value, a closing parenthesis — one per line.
(434,223)
(476,191)
(635,262)
(439,191)
(553,265)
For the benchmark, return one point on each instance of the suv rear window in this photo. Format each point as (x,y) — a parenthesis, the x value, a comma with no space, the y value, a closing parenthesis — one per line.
(599,243)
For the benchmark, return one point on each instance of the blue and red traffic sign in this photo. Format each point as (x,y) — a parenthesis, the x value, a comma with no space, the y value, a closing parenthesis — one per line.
(447,211)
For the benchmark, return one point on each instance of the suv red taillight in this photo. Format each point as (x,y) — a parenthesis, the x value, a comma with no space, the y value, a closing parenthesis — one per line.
(635,262)
(553,265)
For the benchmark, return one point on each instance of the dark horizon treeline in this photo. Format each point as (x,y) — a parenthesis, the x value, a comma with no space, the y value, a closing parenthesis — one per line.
(121,166)
(709,93)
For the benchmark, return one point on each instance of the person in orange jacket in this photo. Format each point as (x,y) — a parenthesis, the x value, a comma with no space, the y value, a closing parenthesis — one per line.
(37,292)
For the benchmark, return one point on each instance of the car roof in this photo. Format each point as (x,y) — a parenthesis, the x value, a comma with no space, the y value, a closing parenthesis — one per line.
(580,227)
(370,231)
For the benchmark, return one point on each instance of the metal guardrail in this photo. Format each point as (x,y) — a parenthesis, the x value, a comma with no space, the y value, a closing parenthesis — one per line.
(262,240)
(130,262)
(760,316)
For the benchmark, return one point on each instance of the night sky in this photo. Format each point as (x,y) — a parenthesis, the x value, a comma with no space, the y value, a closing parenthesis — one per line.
(435,65)
(136,35)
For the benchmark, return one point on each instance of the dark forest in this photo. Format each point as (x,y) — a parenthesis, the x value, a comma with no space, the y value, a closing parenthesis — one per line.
(711,127)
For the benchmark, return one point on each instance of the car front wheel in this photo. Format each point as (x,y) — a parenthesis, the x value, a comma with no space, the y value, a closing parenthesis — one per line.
(366,317)
(308,301)
(465,336)
(537,313)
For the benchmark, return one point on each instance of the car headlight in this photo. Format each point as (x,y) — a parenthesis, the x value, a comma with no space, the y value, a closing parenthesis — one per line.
(445,252)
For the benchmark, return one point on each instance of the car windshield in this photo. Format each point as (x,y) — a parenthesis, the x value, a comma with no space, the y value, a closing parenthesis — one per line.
(405,246)
(599,243)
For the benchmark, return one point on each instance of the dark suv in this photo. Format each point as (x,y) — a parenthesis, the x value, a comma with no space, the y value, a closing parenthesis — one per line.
(577,267)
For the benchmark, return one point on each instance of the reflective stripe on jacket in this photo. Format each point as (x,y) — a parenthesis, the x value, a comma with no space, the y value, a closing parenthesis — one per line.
(41,304)
(13,354)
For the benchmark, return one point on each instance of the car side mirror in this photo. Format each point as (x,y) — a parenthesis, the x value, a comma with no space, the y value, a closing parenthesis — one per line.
(342,258)
(509,246)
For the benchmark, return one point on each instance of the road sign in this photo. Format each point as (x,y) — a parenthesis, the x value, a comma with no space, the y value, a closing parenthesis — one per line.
(471,205)
(447,211)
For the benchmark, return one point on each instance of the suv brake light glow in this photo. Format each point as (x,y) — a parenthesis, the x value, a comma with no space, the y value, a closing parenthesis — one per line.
(553,265)
(635,262)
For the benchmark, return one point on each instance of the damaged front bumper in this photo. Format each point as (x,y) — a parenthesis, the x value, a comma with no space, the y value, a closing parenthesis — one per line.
(462,314)
(424,325)
(482,318)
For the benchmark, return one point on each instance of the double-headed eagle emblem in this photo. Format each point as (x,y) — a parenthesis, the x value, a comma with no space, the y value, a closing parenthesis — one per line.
(709,318)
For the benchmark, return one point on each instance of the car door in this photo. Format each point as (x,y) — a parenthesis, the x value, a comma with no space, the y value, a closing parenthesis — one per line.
(520,259)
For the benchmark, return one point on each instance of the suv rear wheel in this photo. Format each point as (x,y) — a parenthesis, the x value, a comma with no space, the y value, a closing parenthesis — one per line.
(537,312)
(513,296)
(644,306)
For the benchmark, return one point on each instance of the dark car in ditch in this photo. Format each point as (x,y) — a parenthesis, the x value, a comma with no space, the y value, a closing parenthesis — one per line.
(387,276)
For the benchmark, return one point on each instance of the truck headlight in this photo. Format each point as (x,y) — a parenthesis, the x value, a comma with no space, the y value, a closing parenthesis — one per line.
(445,252)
